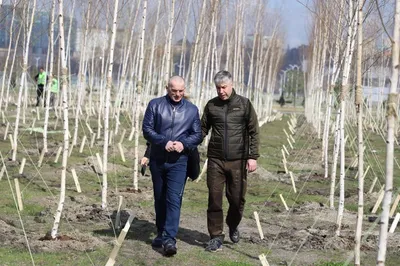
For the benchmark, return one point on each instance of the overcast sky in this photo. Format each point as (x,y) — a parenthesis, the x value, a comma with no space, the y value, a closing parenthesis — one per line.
(296,19)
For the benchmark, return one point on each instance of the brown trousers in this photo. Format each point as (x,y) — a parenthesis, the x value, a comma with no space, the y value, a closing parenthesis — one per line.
(234,175)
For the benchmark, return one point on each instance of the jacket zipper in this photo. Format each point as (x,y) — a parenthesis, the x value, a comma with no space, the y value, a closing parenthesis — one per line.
(173,120)
(172,126)
(226,133)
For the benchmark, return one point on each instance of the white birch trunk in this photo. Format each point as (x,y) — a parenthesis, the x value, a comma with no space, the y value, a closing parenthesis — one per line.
(359,107)
(23,76)
(183,52)
(8,57)
(150,77)
(391,114)
(169,54)
(345,78)
(107,107)
(193,55)
(139,90)
(54,230)
(82,80)
(11,70)
(49,85)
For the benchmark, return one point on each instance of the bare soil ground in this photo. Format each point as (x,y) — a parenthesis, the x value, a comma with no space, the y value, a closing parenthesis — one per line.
(305,235)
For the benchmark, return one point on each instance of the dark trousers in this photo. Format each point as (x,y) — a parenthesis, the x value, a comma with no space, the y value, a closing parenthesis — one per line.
(39,93)
(168,184)
(233,174)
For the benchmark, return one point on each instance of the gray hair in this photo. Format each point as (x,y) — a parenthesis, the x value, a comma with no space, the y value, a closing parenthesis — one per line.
(222,76)
(175,78)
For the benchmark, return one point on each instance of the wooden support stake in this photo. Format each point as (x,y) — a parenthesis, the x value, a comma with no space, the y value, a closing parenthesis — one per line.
(284,165)
(118,244)
(290,143)
(366,172)
(284,202)
(345,139)
(203,171)
(290,125)
(131,135)
(395,222)
(41,158)
(82,144)
(293,183)
(263,260)
(58,154)
(287,135)
(89,128)
(121,150)
(11,141)
(99,162)
(18,192)
(260,231)
(110,134)
(37,113)
(3,169)
(378,202)
(33,125)
(118,216)
(70,150)
(394,206)
(373,185)
(293,124)
(122,136)
(287,152)
(21,169)
(92,140)
(75,177)
(6,131)
(3,118)
(283,155)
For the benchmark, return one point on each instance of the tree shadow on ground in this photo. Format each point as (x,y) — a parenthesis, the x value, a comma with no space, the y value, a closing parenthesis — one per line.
(145,231)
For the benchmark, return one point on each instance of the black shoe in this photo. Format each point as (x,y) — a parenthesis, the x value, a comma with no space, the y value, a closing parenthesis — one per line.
(157,242)
(170,248)
(214,245)
(234,235)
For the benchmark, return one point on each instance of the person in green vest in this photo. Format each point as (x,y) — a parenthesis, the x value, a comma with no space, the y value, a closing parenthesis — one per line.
(41,79)
(54,89)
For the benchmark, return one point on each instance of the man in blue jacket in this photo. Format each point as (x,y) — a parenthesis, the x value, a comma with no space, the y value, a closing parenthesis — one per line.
(172,126)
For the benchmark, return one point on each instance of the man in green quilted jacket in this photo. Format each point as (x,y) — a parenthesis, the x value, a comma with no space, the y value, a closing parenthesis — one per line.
(232,153)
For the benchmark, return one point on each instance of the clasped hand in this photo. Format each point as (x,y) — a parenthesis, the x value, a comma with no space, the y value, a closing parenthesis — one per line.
(174,146)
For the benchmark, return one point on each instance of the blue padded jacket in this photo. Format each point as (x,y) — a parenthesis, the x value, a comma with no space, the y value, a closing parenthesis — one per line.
(165,120)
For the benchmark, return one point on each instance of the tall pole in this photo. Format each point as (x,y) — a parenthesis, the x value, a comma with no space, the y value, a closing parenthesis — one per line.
(391,116)
(359,109)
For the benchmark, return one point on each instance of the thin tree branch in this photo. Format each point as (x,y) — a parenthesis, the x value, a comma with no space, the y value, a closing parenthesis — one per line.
(383,24)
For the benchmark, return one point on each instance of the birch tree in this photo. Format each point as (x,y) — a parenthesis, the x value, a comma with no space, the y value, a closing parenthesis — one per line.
(359,108)
(107,107)
(64,91)
(82,76)
(139,91)
(391,117)
(343,95)
(48,87)
(8,56)
(22,86)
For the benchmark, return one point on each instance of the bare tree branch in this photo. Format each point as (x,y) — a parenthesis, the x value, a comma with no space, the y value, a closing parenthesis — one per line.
(383,24)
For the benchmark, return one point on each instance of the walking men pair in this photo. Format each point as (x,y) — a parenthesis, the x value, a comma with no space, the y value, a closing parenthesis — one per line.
(172,125)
